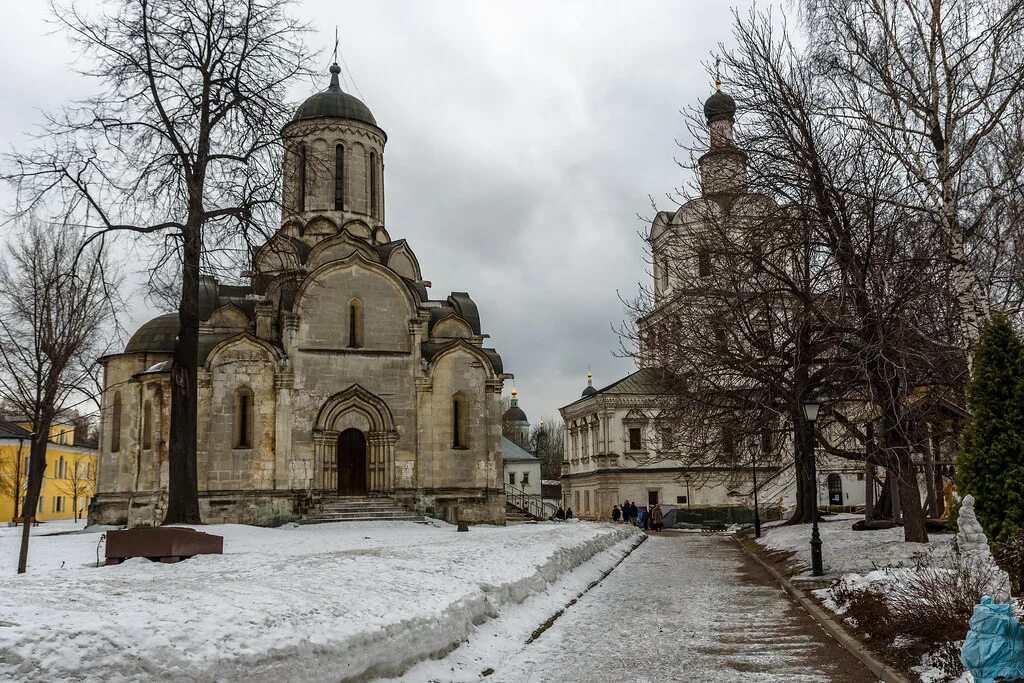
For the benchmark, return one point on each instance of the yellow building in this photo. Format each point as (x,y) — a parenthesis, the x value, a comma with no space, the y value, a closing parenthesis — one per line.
(70,472)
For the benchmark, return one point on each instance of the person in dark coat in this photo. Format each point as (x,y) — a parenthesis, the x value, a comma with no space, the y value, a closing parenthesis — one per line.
(568,513)
(657,518)
(632,513)
(616,513)
(560,513)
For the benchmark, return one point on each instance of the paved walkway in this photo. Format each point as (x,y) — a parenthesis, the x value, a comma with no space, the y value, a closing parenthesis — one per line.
(695,608)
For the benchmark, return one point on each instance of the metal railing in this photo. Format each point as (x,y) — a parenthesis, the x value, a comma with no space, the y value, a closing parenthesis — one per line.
(529,503)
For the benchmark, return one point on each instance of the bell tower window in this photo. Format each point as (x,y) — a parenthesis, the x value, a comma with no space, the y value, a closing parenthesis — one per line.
(339,178)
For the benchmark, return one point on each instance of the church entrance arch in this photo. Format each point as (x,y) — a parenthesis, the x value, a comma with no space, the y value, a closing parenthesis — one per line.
(354,440)
(351,463)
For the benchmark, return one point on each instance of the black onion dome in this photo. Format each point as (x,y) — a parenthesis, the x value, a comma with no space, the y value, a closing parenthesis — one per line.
(719,106)
(589,391)
(156,336)
(334,103)
(514,414)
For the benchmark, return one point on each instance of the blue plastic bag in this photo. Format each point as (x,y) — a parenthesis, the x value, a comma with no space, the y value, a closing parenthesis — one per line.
(995,643)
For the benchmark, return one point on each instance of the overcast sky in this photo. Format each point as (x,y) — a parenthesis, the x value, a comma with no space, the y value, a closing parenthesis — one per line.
(523,140)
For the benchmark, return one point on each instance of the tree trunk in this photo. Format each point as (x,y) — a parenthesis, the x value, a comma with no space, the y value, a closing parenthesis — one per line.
(36,470)
(869,492)
(801,467)
(914,529)
(182,480)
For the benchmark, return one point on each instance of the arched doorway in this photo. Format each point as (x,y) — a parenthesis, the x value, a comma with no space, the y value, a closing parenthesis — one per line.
(351,463)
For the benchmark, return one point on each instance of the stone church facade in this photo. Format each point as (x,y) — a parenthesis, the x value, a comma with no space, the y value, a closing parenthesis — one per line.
(332,373)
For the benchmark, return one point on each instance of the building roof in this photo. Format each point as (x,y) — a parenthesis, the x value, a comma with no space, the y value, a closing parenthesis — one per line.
(334,103)
(643,382)
(719,106)
(510,452)
(10,430)
(157,335)
(514,414)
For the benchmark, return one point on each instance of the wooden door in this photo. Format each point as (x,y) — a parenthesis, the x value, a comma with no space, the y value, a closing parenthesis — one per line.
(351,463)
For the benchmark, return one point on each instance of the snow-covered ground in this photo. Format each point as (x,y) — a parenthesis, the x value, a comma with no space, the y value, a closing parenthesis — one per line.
(864,560)
(682,607)
(324,602)
(845,551)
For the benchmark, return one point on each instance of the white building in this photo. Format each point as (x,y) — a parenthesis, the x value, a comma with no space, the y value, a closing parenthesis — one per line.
(522,468)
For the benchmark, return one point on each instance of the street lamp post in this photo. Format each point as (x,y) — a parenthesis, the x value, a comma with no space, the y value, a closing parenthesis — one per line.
(811,406)
(757,513)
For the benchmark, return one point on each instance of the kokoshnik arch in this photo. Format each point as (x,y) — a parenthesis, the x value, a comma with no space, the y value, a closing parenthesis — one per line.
(332,373)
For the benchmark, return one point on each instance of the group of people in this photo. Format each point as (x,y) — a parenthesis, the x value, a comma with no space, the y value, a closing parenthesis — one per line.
(647,517)
(563,514)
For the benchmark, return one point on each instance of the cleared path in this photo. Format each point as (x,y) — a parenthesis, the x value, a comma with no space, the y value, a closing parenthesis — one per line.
(684,607)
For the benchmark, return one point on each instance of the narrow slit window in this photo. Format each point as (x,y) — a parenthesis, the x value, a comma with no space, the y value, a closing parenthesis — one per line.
(459,414)
(355,323)
(339,178)
(147,426)
(115,424)
(373,184)
(301,201)
(243,418)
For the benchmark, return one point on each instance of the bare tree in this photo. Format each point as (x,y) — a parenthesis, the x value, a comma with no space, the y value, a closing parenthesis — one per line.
(184,146)
(79,482)
(937,87)
(14,477)
(56,297)
(546,442)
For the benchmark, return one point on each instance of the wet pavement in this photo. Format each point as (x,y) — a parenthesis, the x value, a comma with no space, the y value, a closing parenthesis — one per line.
(685,607)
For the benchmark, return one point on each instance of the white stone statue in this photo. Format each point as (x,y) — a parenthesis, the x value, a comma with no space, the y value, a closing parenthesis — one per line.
(973,545)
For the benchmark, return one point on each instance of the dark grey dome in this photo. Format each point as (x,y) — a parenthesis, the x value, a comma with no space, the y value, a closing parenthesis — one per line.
(334,103)
(514,414)
(719,106)
(157,335)
(589,391)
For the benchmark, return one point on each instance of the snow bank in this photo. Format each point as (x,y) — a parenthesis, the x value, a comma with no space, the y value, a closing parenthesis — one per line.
(332,602)
(846,551)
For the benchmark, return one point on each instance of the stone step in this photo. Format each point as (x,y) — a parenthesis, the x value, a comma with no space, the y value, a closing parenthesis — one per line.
(330,520)
(363,513)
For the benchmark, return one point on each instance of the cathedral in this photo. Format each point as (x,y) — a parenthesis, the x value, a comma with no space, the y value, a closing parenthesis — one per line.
(332,373)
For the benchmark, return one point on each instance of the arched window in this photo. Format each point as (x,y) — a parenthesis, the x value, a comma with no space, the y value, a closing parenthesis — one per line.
(339,178)
(355,323)
(373,184)
(460,415)
(301,200)
(147,426)
(115,424)
(243,418)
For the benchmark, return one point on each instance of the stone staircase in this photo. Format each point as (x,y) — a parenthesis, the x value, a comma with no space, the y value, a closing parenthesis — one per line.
(359,509)
(514,515)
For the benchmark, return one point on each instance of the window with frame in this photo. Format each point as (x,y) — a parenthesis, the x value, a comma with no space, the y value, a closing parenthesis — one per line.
(355,324)
(460,416)
(634,439)
(728,438)
(62,468)
(586,501)
(243,418)
(512,478)
(525,479)
(339,178)
(703,263)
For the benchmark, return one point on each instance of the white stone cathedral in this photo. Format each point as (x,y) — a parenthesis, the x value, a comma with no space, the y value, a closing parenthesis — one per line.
(332,373)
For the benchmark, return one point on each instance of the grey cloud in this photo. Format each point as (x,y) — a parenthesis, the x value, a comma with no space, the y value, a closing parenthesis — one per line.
(523,140)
